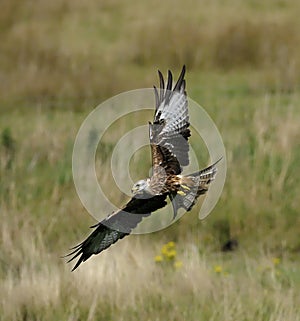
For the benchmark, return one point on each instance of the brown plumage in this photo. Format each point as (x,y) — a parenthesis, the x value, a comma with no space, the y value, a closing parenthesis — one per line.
(168,134)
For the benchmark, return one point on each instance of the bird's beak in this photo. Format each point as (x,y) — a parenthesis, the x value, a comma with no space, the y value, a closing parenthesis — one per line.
(134,190)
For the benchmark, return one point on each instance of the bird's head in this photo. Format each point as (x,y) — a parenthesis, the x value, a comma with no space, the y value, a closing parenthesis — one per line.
(140,187)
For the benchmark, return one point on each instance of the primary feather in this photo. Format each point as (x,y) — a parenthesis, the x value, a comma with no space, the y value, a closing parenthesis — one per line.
(116,226)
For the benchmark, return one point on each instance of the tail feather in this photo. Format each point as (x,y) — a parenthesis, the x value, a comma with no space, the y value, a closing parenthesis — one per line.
(192,186)
(208,171)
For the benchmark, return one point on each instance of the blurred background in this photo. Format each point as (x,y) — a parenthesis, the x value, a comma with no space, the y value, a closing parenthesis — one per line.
(58,60)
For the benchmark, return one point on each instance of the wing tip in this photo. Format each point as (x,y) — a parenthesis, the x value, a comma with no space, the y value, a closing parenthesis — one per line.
(165,90)
(80,260)
(82,257)
(181,81)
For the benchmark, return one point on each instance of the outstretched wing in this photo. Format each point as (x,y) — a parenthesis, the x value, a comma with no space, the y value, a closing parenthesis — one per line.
(169,132)
(116,226)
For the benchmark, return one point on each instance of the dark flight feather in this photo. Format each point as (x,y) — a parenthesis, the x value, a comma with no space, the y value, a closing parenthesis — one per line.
(116,226)
(161,85)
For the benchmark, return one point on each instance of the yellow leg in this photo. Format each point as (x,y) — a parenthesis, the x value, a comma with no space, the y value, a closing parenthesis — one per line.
(185,187)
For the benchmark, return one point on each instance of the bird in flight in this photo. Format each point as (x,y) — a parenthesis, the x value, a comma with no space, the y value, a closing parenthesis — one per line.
(168,134)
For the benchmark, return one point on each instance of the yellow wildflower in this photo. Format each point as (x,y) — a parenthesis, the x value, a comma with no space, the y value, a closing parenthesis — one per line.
(170,244)
(178,264)
(164,250)
(158,258)
(168,253)
(171,254)
(276,260)
(218,269)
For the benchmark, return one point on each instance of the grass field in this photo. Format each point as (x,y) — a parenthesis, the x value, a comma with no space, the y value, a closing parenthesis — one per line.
(60,59)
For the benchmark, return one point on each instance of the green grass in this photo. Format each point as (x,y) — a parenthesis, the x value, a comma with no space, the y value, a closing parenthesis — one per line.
(57,62)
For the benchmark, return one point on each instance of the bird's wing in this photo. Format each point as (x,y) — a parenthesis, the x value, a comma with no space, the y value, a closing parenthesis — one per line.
(116,226)
(169,132)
